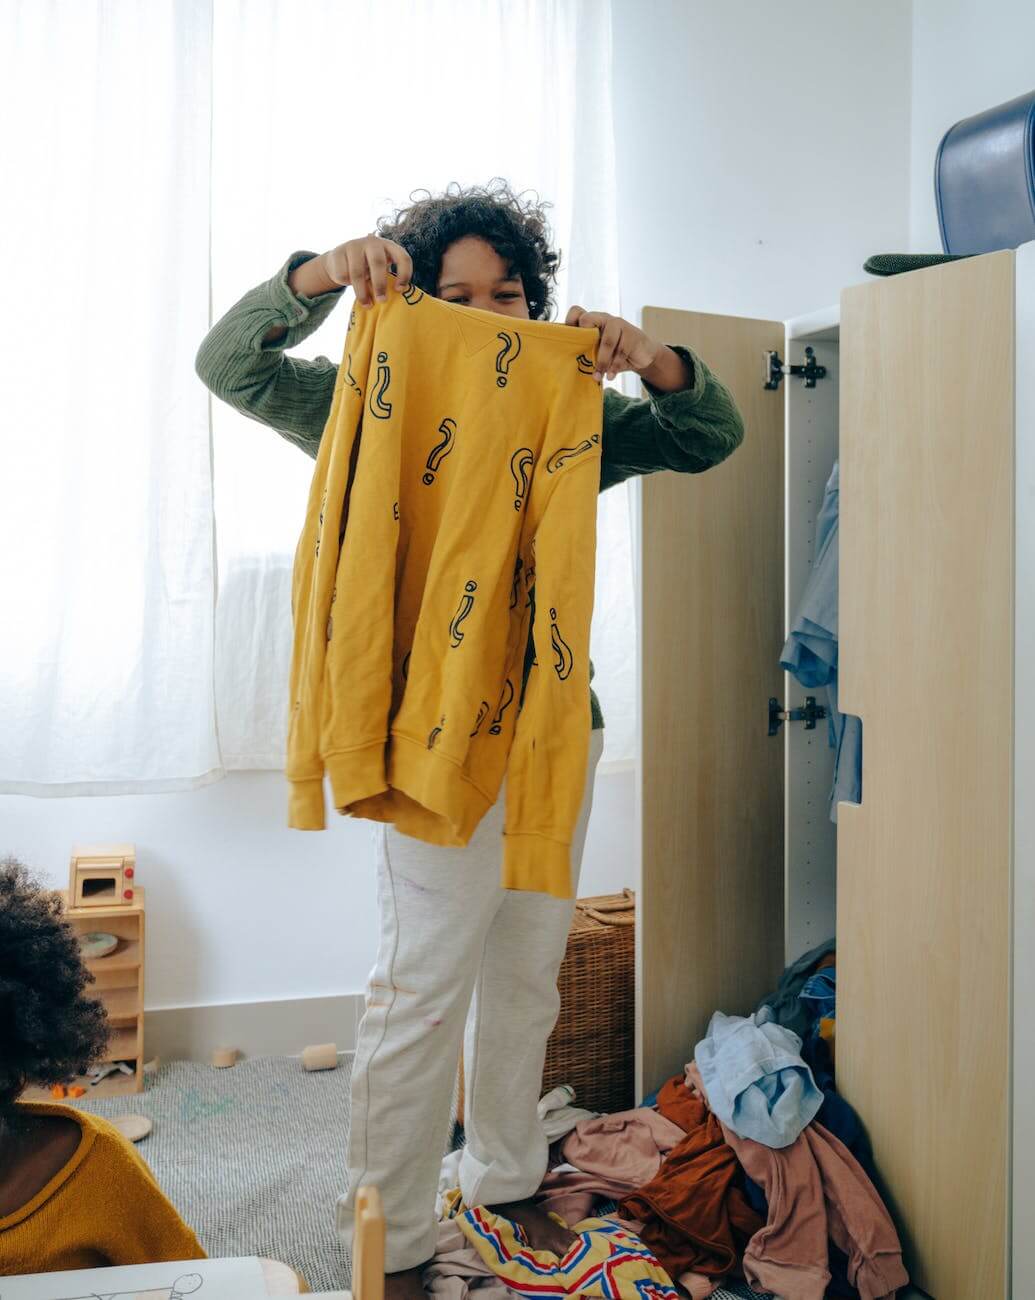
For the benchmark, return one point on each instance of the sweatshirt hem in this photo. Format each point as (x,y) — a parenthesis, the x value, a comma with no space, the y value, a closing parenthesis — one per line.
(439,784)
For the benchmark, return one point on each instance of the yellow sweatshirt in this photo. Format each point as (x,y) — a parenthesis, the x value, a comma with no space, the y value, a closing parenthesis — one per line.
(103,1208)
(459,467)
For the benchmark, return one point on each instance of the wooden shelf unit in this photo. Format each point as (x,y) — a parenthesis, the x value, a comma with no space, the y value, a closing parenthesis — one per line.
(119,985)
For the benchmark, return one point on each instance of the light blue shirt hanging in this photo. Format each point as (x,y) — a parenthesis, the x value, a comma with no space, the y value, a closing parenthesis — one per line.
(811,650)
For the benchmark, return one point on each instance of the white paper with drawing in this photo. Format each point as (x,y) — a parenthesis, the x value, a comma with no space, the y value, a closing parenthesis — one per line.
(196,1279)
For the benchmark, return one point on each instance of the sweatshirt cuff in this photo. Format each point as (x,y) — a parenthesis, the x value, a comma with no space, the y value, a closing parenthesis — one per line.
(675,411)
(535,864)
(356,774)
(305,805)
(301,314)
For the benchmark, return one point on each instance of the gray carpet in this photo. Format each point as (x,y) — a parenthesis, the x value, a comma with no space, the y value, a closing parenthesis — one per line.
(254,1159)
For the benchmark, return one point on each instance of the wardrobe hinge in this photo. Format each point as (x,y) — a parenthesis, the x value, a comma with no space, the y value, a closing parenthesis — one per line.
(810,713)
(775,370)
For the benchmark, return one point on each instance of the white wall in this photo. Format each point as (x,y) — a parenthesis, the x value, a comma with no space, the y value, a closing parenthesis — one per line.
(966,57)
(762,155)
(763,152)
(240,908)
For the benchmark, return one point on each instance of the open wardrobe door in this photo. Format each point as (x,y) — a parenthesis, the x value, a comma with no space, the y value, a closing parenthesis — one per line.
(927,662)
(710,928)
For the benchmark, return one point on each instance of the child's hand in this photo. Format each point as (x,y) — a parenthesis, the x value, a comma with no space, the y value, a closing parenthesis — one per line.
(622,346)
(363,263)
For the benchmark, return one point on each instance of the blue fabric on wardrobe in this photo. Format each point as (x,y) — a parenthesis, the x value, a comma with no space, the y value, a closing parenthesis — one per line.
(811,651)
(820,992)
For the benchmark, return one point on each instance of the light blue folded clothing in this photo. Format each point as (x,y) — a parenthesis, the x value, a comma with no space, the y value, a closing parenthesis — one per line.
(756,1081)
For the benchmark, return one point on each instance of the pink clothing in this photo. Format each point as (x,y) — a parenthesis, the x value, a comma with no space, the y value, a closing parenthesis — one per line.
(612,1156)
(572,1194)
(457,1271)
(693,1080)
(816,1189)
(627,1147)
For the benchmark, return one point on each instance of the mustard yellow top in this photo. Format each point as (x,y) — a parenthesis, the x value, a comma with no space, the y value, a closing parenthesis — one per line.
(103,1208)
(453,502)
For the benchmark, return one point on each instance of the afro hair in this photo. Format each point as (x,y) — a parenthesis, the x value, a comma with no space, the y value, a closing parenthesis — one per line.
(49,1030)
(512,224)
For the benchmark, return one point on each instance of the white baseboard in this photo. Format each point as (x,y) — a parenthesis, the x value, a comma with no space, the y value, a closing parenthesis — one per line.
(281,1028)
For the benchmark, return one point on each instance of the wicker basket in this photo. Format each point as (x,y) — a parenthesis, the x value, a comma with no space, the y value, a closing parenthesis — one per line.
(592,1045)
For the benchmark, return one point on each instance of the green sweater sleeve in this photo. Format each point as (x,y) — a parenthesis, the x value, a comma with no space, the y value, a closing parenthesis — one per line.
(289,394)
(688,431)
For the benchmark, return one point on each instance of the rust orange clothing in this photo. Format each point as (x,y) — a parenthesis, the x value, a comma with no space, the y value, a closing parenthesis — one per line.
(453,502)
(693,1214)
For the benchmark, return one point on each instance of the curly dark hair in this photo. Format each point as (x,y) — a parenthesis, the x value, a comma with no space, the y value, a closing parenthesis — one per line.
(513,224)
(49,1031)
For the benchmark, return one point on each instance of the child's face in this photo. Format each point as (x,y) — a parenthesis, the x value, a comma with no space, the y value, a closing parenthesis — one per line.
(474,274)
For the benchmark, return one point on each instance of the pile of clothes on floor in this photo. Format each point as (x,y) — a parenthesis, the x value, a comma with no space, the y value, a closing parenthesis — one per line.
(745,1166)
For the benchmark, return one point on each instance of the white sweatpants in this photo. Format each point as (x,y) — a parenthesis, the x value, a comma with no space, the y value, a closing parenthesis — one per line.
(451,940)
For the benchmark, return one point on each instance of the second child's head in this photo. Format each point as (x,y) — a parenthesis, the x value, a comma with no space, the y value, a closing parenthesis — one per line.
(485,247)
(50,1031)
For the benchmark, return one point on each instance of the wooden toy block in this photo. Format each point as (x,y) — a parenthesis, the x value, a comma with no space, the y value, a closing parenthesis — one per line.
(224,1057)
(324,1056)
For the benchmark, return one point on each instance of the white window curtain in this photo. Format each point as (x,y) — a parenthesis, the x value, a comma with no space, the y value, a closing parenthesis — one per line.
(106,526)
(137,661)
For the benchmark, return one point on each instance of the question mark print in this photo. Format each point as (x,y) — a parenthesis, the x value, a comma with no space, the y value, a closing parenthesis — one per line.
(378,406)
(464,608)
(508,354)
(482,713)
(560,458)
(565,659)
(435,733)
(348,375)
(517,583)
(585,365)
(413,295)
(440,451)
(520,463)
(505,702)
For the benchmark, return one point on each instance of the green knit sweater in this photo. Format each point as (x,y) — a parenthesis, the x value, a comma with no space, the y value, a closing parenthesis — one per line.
(688,431)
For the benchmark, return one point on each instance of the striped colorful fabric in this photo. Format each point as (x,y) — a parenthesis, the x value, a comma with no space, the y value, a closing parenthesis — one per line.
(605,1261)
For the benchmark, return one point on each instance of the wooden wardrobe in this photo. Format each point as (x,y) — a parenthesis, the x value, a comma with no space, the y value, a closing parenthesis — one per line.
(928,400)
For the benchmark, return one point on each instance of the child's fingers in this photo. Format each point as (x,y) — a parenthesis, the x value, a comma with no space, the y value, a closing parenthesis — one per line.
(377,261)
(610,340)
(403,264)
(619,364)
(358,275)
(587,319)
